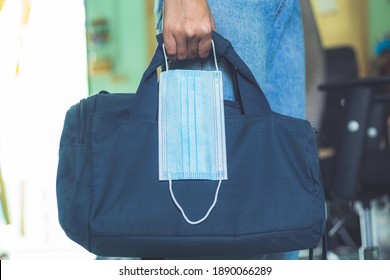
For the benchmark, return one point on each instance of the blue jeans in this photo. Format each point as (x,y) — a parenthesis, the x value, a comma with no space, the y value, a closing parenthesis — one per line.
(268,36)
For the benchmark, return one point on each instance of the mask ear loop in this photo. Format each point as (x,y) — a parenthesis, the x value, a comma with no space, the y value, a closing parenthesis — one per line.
(181,209)
(214,55)
(165,57)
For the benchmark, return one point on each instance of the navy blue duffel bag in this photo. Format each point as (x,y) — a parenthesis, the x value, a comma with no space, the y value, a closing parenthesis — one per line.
(111,202)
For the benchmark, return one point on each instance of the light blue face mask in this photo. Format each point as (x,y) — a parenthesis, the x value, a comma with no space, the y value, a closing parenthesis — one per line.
(191,122)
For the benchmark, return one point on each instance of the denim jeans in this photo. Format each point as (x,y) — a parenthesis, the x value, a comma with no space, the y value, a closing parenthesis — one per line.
(268,36)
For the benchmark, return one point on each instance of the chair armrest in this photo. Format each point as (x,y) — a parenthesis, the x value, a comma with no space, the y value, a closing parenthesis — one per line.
(372,82)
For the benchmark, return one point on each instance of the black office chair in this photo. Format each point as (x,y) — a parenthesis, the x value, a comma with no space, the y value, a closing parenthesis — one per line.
(358,171)
(350,115)
(340,168)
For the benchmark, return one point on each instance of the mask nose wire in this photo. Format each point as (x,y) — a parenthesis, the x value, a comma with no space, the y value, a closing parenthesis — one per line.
(214,55)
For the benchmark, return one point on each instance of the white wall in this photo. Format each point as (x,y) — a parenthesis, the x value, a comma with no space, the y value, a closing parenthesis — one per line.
(51,52)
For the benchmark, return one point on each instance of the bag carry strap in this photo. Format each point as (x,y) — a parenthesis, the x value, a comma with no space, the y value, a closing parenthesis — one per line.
(254,102)
(214,56)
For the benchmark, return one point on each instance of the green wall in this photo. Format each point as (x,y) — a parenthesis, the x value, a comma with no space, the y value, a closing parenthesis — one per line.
(126,47)
(128,40)
(379,21)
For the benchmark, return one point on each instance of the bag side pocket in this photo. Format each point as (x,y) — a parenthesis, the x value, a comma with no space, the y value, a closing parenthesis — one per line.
(72,183)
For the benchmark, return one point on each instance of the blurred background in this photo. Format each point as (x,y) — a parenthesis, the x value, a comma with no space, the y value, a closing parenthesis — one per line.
(53,53)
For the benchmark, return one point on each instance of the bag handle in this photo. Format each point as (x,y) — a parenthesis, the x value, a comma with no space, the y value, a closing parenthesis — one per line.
(214,56)
(254,102)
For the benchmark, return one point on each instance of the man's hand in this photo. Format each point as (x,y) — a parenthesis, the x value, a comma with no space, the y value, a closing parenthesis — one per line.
(187,29)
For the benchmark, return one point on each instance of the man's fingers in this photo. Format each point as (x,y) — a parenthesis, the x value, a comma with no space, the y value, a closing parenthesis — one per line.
(204,47)
(175,45)
(181,47)
(187,29)
(192,47)
(170,46)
